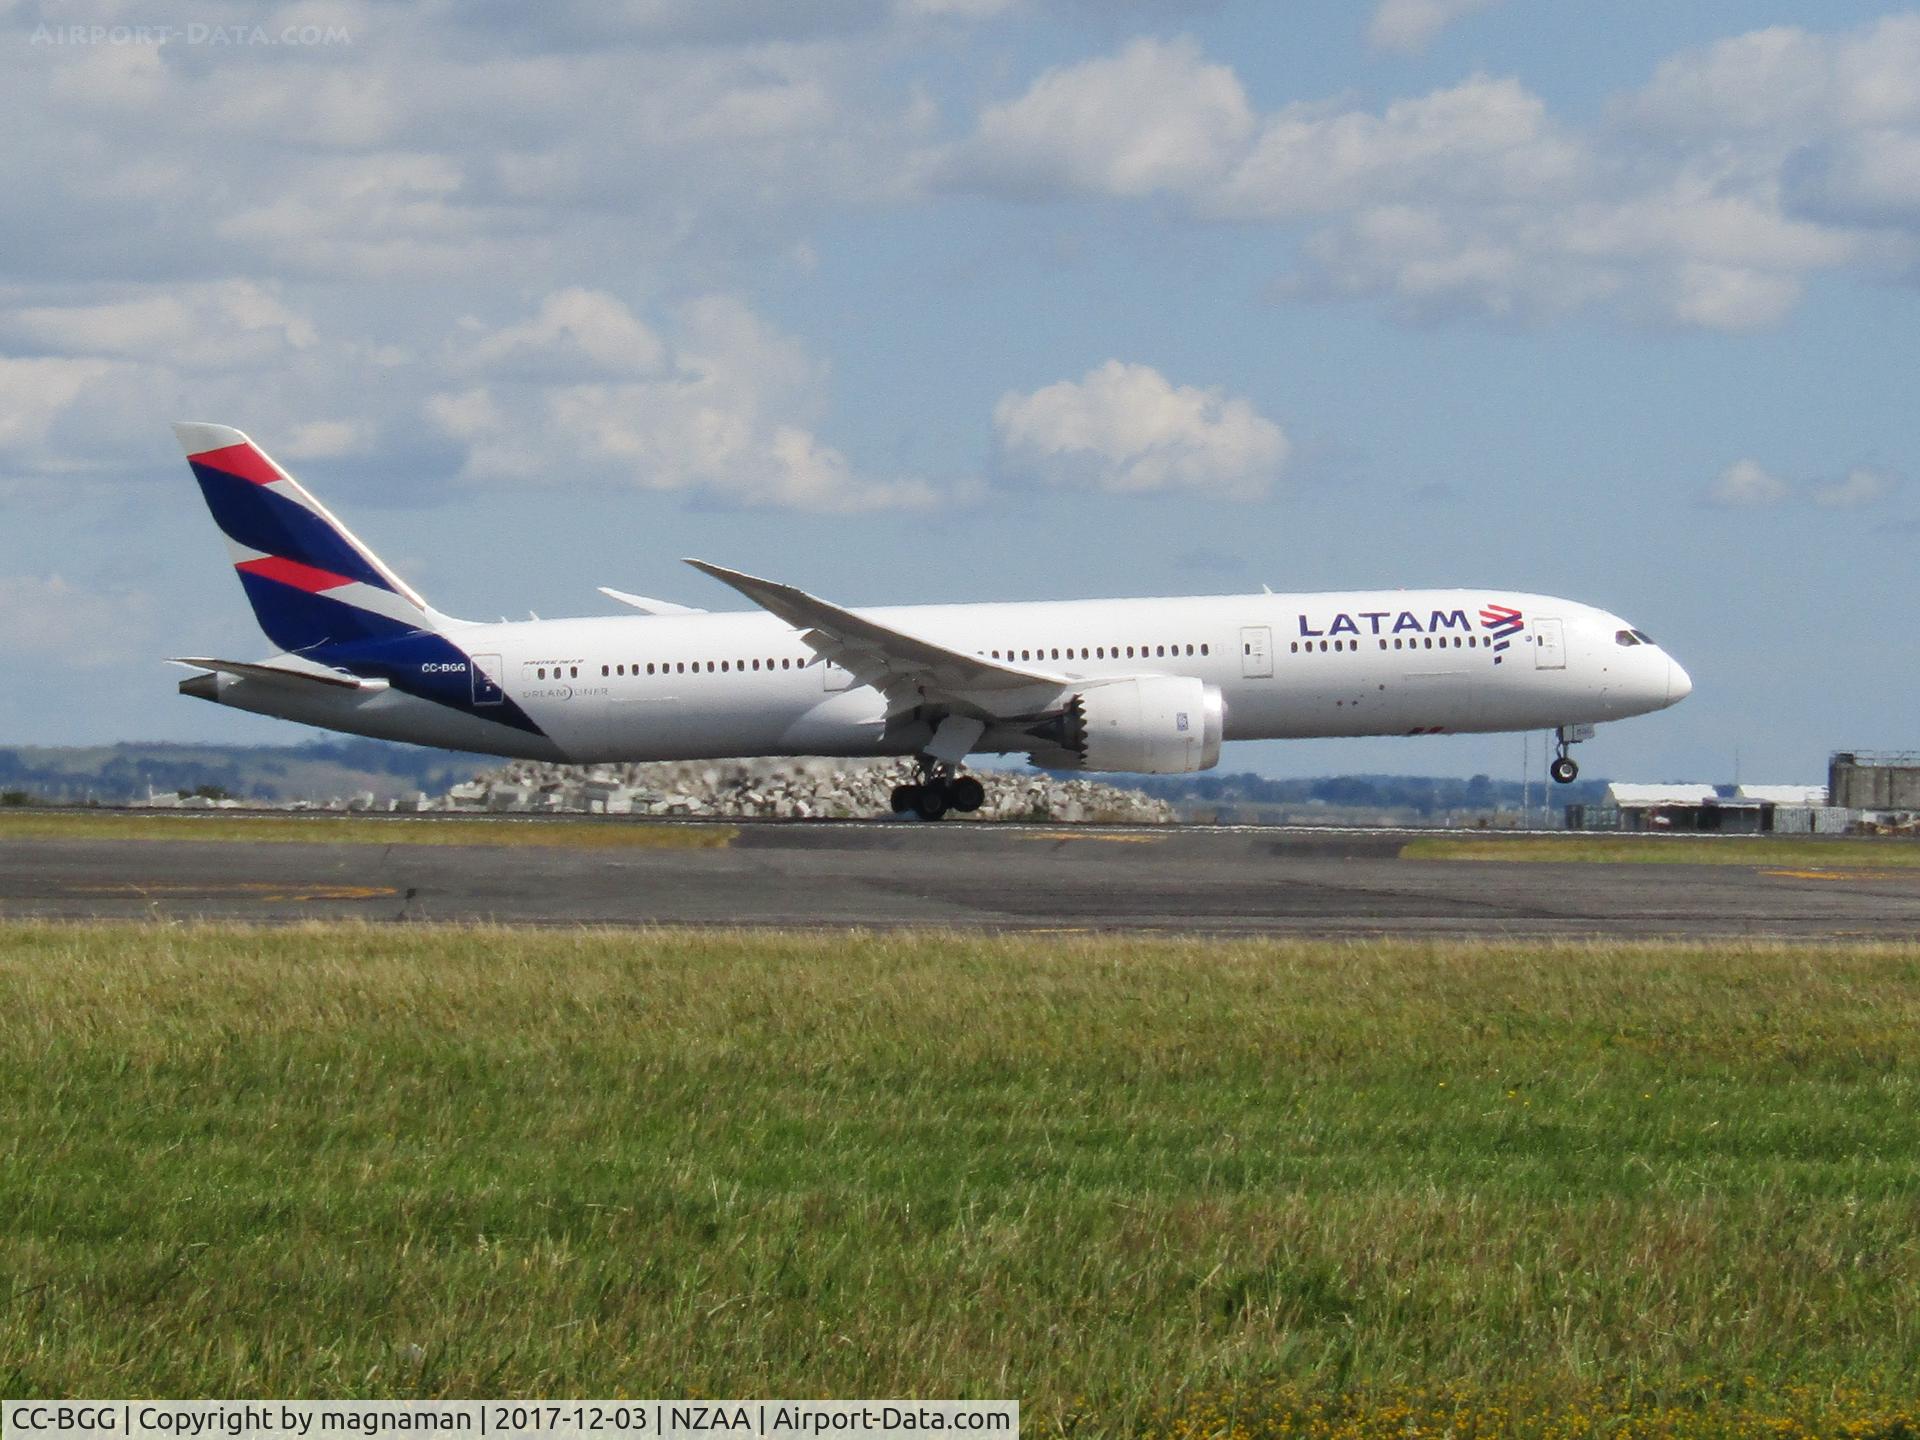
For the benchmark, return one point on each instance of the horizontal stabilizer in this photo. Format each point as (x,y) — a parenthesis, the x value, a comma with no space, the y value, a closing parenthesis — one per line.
(290,671)
(648,605)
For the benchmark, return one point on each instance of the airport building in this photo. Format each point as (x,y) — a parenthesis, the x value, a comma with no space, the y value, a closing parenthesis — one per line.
(1865,791)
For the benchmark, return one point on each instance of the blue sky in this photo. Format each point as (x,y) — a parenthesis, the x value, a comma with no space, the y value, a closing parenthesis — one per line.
(946,299)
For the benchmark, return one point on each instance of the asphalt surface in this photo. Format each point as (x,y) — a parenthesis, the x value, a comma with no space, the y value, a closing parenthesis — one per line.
(1212,881)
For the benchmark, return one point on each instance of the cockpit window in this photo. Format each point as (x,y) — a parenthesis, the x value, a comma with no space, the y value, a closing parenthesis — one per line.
(1625,637)
(1641,636)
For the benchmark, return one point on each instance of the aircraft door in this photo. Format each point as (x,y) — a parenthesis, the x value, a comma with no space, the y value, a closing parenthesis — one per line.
(1256,652)
(485,671)
(1549,646)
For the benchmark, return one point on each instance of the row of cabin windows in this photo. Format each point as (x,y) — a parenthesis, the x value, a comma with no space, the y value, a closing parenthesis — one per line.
(1100,652)
(1422,642)
(678,667)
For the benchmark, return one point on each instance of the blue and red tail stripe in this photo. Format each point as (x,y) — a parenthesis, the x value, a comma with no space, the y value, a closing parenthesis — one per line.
(318,592)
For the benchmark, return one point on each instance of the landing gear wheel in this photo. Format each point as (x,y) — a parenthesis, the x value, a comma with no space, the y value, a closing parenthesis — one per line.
(1564,770)
(966,794)
(905,798)
(930,803)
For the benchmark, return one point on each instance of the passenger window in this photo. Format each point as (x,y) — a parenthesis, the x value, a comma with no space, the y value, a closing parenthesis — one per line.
(1129,652)
(1025,656)
(1383,644)
(1295,647)
(1203,649)
(573,672)
(709,667)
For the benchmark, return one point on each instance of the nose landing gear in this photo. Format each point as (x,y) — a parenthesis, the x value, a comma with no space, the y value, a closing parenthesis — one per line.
(1563,769)
(937,791)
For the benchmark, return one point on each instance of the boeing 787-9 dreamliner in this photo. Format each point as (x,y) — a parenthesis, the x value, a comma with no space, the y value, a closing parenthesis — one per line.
(1152,686)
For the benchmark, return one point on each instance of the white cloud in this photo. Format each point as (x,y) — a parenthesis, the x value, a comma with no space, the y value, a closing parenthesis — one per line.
(723,408)
(1789,83)
(199,327)
(1126,429)
(326,440)
(49,617)
(1151,118)
(33,395)
(1485,140)
(577,330)
(1710,199)
(1745,484)
(1410,25)
(1860,487)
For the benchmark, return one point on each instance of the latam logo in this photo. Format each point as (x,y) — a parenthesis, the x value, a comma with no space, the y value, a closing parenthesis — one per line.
(1502,623)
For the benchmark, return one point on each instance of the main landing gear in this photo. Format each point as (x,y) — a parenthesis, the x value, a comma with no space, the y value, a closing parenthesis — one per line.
(1563,769)
(937,791)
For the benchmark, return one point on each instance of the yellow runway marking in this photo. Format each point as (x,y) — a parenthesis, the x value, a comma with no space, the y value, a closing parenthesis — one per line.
(1835,874)
(244,889)
(1110,839)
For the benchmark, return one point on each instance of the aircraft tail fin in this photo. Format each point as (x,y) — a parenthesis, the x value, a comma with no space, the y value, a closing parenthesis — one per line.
(313,585)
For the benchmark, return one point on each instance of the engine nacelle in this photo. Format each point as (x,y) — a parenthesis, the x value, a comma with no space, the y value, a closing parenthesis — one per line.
(1156,725)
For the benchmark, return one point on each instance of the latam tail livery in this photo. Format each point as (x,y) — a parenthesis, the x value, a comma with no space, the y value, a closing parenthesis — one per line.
(1152,686)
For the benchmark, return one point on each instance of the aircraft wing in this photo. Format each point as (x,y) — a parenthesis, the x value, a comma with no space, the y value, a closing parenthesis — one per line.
(907,669)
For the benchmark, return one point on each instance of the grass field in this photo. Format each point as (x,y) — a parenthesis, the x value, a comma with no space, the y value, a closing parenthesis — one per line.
(1833,854)
(226,826)
(1148,1188)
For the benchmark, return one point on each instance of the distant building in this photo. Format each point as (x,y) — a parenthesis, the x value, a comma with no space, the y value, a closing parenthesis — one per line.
(1713,809)
(1875,780)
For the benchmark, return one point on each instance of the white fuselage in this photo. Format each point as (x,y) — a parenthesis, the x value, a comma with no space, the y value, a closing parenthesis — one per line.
(662,687)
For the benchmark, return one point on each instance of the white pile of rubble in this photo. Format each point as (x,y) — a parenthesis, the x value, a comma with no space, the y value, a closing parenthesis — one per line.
(785,789)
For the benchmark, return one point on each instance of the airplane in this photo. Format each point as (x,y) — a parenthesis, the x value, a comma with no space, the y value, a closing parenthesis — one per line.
(1151,686)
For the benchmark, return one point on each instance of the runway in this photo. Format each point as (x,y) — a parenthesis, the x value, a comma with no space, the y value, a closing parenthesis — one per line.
(1217,881)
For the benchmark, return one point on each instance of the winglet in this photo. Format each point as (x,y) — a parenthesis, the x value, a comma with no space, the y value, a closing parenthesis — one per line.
(646,604)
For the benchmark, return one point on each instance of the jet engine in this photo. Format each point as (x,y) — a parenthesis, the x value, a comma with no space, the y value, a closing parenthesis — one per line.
(1155,725)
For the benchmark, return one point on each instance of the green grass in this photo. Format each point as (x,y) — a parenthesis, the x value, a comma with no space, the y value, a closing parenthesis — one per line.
(1139,1185)
(1781,850)
(227,827)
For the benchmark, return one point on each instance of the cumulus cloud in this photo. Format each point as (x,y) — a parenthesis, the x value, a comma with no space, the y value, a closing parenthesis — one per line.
(1859,487)
(1708,199)
(1410,25)
(1127,429)
(201,327)
(1151,118)
(577,331)
(722,408)
(1746,484)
